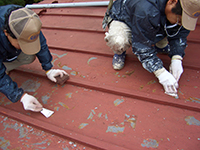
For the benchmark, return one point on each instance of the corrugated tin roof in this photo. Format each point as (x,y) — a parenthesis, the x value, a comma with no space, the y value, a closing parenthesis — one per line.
(100,108)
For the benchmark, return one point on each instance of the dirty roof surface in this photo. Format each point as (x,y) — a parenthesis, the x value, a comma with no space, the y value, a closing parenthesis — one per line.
(100,108)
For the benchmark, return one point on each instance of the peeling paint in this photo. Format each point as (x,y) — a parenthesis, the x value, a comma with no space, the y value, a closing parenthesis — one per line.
(106,116)
(141,87)
(118,101)
(115,129)
(151,82)
(4,143)
(82,76)
(192,121)
(2,100)
(100,114)
(150,143)
(29,138)
(7,103)
(194,99)
(180,92)
(127,116)
(45,99)
(30,85)
(64,105)
(22,131)
(123,76)
(66,148)
(82,125)
(129,72)
(93,111)
(69,95)
(59,56)
(53,61)
(90,116)
(92,58)
(74,73)
(116,73)
(131,119)
(41,143)
(56,108)
(66,68)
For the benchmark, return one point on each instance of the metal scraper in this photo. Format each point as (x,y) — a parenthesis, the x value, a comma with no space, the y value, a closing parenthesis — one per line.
(46,112)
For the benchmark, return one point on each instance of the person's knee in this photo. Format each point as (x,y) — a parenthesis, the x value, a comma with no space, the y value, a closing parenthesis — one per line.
(163,43)
(28,59)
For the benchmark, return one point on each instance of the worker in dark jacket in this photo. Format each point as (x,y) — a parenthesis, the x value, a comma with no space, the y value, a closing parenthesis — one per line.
(152,26)
(21,41)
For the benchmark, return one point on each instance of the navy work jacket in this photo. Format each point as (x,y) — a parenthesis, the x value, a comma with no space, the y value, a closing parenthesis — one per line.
(148,23)
(10,53)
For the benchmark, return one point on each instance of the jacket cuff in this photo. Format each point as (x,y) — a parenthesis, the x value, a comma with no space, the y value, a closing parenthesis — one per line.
(177,57)
(159,71)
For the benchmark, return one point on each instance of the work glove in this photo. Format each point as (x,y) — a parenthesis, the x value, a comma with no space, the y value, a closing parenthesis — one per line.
(31,103)
(51,74)
(176,68)
(168,81)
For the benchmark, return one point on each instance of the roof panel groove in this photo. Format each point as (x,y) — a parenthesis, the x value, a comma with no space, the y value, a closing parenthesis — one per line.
(71,15)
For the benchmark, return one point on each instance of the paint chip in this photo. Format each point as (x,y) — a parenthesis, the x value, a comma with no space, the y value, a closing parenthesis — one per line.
(131,119)
(30,85)
(64,105)
(129,72)
(69,95)
(118,101)
(45,99)
(91,59)
(151,82)
(74,73)
(150,143)
(115,129)
(90,116)
(82,125)
(194,99)
(66,68)
(192,121)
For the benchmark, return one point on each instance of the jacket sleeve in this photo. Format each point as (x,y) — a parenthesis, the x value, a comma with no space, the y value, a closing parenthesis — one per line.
(178,43)
(8,86)
(44,54)
(144,30)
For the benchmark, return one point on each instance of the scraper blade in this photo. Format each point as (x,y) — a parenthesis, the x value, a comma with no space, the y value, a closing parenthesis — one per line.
(46,112)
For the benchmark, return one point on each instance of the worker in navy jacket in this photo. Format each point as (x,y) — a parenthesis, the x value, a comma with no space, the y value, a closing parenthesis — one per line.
(152,26)
(21,41)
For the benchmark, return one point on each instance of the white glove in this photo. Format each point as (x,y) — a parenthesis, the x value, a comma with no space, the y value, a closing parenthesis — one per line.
(176,68)
(31,103)
(168,81)
(51,74)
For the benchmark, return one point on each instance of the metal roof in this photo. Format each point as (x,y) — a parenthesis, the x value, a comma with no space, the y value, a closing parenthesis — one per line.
(100,108)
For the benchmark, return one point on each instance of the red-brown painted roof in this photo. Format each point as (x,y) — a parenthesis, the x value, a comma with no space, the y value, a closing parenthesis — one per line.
(100,108)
